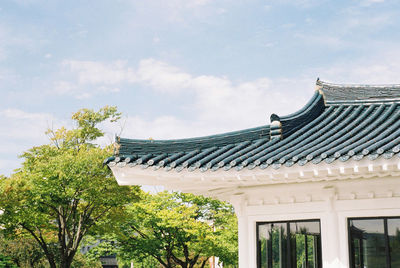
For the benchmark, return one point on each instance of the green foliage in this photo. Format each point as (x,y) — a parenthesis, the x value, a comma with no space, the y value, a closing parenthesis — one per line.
(63,192)
(5,262)
(23,251)
(81,261)
(103,245)
(86,131)
(179,230)
(148,262)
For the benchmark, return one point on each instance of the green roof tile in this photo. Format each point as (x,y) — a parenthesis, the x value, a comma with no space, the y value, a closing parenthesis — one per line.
(340,122)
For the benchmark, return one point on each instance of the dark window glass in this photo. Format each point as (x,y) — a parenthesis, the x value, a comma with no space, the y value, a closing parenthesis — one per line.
(278,245)
(370,236)
(263,238)
(289,244)
(306,236)
(394,241)
(357,252)
(374,242)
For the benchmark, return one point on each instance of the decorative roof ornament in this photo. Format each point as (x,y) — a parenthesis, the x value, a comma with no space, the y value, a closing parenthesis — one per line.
(276,130)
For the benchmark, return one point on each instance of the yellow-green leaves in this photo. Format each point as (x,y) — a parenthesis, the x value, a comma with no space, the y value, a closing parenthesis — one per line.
(62,191)
(179,229)
(87,119)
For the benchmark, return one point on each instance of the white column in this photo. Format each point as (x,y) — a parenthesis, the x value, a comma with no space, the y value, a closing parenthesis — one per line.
(330,233)
(239,203)
(243,242)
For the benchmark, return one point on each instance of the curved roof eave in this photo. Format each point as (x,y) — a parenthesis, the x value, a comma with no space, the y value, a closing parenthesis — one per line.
(140,146)
(321,133)
(289,124)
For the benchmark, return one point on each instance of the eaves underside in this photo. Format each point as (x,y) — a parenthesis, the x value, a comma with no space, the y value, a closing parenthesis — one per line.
(215,183)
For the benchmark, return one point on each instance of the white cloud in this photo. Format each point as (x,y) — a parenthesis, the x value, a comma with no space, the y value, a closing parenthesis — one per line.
(298,3)
(19,131)
(26,2)
(371,2)
(21,115)
(354,30)
(12,39)
(174,11)
(161,76)
(216,100)
(379,69)
(64,87)
(92,72)
(221,104)
(357,19)
(84,79)
(333,40)
(22,126)
(174,4)
(218,103)
(177,4)
(162,127)
(156,39)
(220,100)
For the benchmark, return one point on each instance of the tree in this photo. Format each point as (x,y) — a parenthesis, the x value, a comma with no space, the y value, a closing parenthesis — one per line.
(179,230)
(5,262)
(22,251)
(105,245)
(63,192)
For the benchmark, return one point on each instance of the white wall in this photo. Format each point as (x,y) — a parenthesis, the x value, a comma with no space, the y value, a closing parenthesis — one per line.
(331,202)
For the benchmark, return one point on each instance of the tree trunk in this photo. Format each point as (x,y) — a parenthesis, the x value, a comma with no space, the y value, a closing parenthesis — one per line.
(66,259)
(49,255)
(204,263)
(51,261)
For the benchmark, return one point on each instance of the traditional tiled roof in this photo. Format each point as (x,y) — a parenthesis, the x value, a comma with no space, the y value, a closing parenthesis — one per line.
(339,123)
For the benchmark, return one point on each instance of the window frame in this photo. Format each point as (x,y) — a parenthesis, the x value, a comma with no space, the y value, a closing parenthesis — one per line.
(289,241)
(386,234)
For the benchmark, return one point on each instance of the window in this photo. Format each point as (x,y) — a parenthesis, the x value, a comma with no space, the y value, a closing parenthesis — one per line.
(374,242)
(293,244)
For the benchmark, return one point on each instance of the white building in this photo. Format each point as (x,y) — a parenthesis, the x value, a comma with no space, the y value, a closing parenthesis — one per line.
(317,188)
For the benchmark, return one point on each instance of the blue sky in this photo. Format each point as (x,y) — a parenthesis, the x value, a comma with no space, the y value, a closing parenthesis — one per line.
(181,68)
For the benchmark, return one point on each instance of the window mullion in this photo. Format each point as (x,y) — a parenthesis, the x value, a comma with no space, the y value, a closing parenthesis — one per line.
(306,248)
(387,245)
(269,247)
(288,245)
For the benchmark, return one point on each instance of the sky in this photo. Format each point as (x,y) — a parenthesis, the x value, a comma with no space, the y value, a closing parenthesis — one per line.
(181,68)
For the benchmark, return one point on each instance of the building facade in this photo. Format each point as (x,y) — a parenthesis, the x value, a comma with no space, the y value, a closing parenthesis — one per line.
(317,188)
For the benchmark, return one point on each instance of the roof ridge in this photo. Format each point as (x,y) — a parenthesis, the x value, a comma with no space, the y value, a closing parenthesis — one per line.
(174,145)
(288,124)
(354,85)
(340,122)
(221,135)
(357,94)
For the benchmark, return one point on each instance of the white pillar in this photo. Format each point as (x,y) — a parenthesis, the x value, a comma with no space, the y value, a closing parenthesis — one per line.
(239,203)
(243,242)
(330,233)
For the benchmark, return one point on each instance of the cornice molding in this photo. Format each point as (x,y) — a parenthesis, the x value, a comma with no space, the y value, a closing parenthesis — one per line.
(231,182)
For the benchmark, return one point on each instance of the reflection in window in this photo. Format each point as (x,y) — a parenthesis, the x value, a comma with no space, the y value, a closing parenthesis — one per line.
(374,242)
(394,241)
(289,244)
